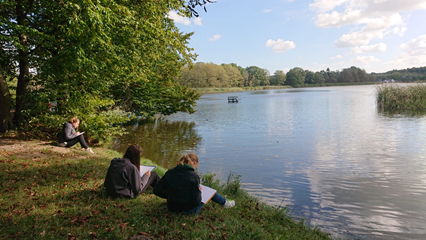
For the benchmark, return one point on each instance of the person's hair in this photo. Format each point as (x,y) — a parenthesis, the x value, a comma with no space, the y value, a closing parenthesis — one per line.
(190,158)
(133,153)
(74,120)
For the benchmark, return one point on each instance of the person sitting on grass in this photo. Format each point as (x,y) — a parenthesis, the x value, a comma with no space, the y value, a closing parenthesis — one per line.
(123,177)
(181,187)
(68,137)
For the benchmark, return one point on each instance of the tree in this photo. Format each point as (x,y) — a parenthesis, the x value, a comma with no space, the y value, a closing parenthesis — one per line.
(396,76)
(319,78)
(235,77)
(309,77)
(278,78)
(92,58)
(258,76)
(244,74)
(296,76)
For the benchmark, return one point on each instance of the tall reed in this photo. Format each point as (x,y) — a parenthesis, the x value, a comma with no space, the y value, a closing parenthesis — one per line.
(397,97)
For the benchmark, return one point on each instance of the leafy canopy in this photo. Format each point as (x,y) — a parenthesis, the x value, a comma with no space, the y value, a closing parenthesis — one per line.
(101,60)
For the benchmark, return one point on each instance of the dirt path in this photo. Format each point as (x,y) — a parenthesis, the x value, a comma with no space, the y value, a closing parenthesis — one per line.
(30,149)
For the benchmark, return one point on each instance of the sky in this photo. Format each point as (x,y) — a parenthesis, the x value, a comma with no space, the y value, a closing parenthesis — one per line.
(375,35)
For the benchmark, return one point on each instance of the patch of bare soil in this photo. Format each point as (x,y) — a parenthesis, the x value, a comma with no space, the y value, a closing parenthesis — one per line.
(31,149)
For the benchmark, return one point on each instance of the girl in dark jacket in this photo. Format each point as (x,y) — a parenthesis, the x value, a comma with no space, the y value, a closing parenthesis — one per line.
(123,177)
(69,136)
(181,187)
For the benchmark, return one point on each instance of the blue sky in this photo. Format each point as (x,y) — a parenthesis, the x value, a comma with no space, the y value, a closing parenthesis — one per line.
(375,35)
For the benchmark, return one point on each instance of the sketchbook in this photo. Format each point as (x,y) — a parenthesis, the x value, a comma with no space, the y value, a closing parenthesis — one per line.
(145,169)
(206,193)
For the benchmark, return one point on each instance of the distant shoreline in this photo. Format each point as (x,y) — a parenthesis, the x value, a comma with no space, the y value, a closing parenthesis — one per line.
(241,89)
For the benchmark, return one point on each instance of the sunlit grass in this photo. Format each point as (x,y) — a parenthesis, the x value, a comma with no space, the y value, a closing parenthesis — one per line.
(45,194)
(237,89)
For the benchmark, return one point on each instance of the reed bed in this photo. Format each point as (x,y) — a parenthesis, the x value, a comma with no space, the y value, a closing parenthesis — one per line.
(402,97)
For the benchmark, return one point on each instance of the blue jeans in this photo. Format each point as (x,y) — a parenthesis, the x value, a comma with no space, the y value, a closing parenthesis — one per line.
(216,198)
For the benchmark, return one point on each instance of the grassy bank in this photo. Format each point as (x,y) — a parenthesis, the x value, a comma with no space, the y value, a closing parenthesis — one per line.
(237,89)
(47,193)
(397,97)
(240,89)
(333,84)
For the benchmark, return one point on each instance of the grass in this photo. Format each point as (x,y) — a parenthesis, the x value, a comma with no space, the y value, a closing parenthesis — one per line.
(240,89)
(237,89)
(397,97)
(50,195)
(333,84)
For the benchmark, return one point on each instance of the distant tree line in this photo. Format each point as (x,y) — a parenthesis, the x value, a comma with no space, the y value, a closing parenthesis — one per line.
(404,75)
(210,75)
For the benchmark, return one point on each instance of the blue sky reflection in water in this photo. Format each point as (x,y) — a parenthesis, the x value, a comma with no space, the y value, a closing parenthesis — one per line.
(329,153)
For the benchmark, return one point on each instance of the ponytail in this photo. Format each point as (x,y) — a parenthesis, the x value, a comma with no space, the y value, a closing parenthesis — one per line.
(190,158)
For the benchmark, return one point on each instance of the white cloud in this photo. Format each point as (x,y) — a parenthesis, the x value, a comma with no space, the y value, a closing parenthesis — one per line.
(286,70)
(267,10)
(377,18)
(380,47)
(365,60)
(326,5)
(215,37)
(415,47)
(184,20)
(198,21)
(413,55)
(336,57)
(280,45)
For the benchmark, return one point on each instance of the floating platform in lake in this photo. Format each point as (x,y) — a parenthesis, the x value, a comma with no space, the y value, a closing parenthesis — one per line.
(233,99)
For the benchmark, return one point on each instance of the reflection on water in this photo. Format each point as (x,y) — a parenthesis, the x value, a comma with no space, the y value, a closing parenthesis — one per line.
(163,141)
(400,113)
(331,155)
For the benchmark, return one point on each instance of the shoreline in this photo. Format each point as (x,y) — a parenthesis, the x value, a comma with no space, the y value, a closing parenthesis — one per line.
(242,89)
(49,192)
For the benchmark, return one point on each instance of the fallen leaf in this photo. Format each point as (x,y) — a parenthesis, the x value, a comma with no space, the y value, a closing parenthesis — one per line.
(95,212)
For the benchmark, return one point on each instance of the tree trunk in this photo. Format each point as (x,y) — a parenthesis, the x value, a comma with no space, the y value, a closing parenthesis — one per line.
(5,117)
(23,77)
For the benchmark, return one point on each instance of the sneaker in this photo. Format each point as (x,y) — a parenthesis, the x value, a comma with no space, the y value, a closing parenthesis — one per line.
(229,204)
(62,144)
(90,150)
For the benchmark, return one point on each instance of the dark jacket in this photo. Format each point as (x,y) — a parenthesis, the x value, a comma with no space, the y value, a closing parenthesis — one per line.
(180,186)
(68,132)
(123,179)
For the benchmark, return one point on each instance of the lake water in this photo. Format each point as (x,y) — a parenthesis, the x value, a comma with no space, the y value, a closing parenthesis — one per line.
(329,153)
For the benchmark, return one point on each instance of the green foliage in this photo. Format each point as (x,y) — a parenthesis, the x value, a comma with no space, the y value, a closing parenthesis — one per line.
(209,179)
(278,78)
(232,184)
(257,76)
(203,75)
(296,76)
(94,57)
(394,97)
(405,75)
(353,74)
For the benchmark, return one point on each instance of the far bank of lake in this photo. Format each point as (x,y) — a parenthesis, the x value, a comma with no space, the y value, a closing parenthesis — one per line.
(330,153)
